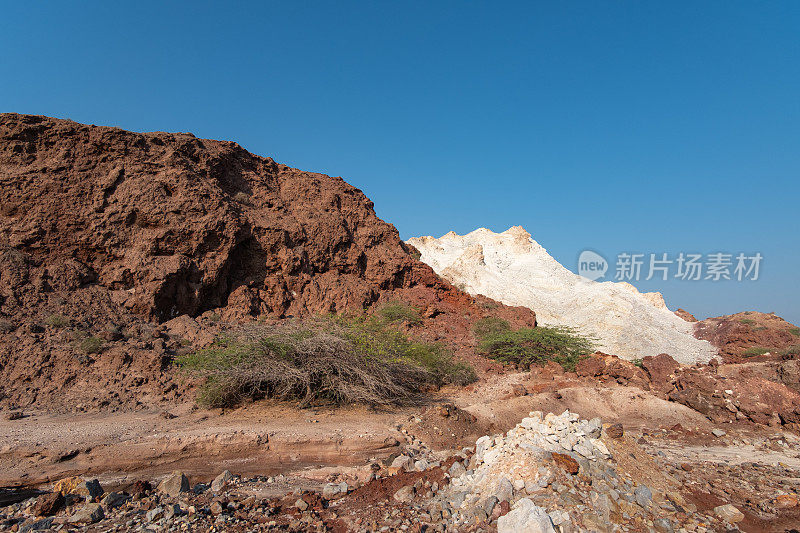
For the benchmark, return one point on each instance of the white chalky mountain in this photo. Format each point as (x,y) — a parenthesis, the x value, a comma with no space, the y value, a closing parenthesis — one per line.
(514,269)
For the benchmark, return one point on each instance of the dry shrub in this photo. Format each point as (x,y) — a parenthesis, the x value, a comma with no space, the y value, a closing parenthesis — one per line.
(332,360)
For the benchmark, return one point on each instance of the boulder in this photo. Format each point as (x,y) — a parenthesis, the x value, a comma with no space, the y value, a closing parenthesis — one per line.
(404,494)
(221,481)
(156,513)
(114,499)
(88,514)
(48,504)
(525,517)
(504,491)
(402,462)
(643,495)
(331,490)
(729,513)
(89,489)
(301,504)
(660,369)
(174,484)
(216,508)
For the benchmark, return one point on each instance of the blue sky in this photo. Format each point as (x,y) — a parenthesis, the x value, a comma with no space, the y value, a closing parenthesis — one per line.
(618,126)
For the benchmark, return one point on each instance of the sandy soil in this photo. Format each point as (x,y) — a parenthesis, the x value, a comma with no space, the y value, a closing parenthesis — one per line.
(260,439)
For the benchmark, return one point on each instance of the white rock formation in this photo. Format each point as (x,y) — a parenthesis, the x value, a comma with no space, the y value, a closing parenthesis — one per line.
(514,269)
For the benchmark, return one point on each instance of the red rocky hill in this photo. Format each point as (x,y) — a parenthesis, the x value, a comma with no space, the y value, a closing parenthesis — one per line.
(122,235)
(746,336)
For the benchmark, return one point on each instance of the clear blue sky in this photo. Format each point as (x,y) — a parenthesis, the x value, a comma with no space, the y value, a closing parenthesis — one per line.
(636,126)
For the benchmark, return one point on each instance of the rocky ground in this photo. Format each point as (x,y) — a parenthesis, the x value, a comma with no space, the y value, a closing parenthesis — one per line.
(451,465)
(549,473)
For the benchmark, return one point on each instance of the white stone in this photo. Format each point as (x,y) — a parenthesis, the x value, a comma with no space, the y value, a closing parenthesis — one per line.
(729,513)
(525,517)
(600,447)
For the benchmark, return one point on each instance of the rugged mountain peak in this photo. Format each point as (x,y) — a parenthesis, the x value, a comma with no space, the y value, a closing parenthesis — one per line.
(515,269)
(171,224)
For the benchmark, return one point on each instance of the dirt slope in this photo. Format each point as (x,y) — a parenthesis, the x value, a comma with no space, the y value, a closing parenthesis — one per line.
(113,234)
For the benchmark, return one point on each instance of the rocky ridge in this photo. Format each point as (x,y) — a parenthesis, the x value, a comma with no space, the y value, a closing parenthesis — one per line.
(513,268)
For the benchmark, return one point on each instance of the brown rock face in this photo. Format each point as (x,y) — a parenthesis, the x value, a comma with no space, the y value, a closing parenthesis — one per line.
(735,334)
(111,233)
(48,504)
(611,368)
(660,369)
(686,315)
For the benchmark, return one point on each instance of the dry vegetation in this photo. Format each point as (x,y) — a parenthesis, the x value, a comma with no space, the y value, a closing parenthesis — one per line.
(325,360)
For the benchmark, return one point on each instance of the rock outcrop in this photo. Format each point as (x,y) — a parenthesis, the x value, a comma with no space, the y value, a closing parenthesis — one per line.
(750,334)
(113,236)
(513,268)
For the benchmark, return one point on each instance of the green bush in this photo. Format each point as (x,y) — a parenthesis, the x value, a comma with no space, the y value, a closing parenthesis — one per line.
(57,321)
(526,346)
(755,351)
(397,311)
(795,332)
(490,325)
(328,360)
(747,321)
(91,345)
(638,362)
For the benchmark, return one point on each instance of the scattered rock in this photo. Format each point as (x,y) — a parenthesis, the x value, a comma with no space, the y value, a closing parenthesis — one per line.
(174,484)
(643,495)
(718,432)
(156,513)
(221,481)
(404,494)
(457,470)
(566,463)
(89,489)
(301,504)
(614,431)
(786,501)
(48,504)
(729,513)
(88,514)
